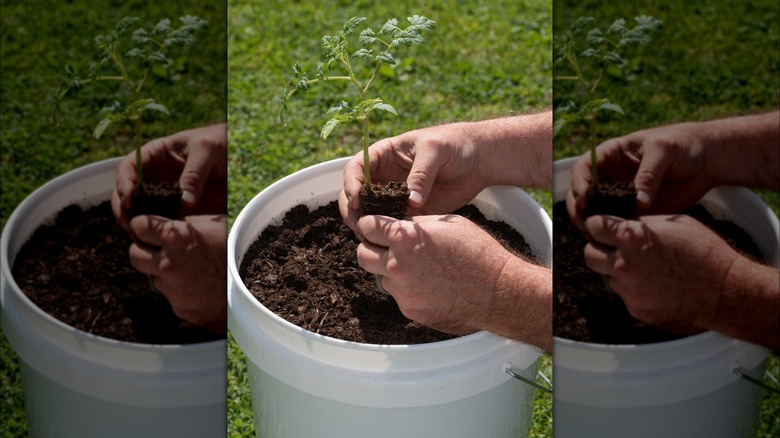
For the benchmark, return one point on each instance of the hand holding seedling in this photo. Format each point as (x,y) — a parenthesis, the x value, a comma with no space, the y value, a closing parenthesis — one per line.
(673,166)
(131,64)
(197,158)
(446,166)
(376,50)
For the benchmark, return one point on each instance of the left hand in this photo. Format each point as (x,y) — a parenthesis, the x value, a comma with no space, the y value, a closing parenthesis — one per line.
(441,270)
(670,270)
(187,259)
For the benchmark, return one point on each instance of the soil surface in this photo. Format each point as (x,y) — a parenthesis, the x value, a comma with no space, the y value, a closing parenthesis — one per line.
(161,199)
(583,308)
(385,199)
(616,199)
(78,271)
(306,271)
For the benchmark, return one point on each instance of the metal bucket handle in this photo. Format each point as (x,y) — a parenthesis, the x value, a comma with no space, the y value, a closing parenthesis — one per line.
(736,370)
(539,375)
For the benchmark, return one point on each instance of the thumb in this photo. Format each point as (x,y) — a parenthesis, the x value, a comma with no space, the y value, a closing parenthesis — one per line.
(649,175)
(194,177)
(421,177)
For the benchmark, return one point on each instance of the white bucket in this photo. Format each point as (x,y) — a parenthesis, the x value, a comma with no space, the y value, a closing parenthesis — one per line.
(81,385)
(309,385)
(682,388)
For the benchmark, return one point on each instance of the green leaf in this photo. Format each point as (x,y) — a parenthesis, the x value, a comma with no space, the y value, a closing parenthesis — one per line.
(385,57)
(159,57)
(124,24)
(579,25)
(140,37)
(328,127)
(420,23)
(589,53)
(386,107)
(101,127)
(617,27)
(363,53)
(594,36)
(613,57)
(135,52)
(367,37)
(352,24)
(609,106)
(340,107)
(162,27)
(154,106)
(558,125)
(390,27)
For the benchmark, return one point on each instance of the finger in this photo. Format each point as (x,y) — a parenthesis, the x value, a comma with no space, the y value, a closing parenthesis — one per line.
(600,259)
(604,229)
(422,175)
(576,214)
(150,229)
(372,258)
(348,214)
(145,259)
(377,229)
(126,180)
(353,180)
(121,214)
(650,174)
(195,174)
(580,180)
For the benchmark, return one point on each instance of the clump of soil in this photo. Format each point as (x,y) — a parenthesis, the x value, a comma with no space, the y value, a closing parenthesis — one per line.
(616,199)
(161,199)
(306,271)
(585,310)
(78,271)
(385,199)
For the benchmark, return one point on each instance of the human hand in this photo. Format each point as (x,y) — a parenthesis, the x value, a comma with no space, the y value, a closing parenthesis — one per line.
(447,273)
(667,165)
(196,158)
(438,163)
(187,261)
(669,270)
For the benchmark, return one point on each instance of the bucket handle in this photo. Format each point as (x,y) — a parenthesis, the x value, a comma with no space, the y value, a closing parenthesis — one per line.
(548,389)
(736,370)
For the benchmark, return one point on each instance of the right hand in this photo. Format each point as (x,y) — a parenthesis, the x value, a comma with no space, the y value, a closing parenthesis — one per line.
(667,165)
(439,164)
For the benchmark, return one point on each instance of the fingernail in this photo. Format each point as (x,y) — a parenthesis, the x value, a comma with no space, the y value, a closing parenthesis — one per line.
(643,198)
(188,198)
(416,197)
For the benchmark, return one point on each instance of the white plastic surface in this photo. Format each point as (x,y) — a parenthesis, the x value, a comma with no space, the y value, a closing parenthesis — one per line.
(679,388)
(442,389)
(78,384)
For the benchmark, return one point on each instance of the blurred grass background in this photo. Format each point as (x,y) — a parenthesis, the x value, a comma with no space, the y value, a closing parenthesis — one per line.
(37,40)
(711,60)
(486,59)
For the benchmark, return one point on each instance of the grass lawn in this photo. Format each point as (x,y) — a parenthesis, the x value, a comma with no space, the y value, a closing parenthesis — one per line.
(485,59)
(37,42)
(710,60)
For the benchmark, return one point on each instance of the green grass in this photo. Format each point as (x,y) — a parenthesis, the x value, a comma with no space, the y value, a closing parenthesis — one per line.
(486,59)
(38,41)
(711,60)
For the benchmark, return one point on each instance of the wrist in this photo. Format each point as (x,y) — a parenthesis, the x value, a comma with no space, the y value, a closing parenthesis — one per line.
(522,304)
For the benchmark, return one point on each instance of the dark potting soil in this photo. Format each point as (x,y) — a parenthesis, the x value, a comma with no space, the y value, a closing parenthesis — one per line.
(78,271)
(306,271)
(161,199)
(615,198)
(386,199)
(584,310)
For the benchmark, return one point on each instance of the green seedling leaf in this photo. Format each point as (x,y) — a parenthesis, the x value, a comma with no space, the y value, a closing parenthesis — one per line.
(337,56)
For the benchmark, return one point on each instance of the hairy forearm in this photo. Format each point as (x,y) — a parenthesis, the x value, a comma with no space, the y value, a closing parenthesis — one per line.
(742,150)
(749,306)
(515,150)
(522,307)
